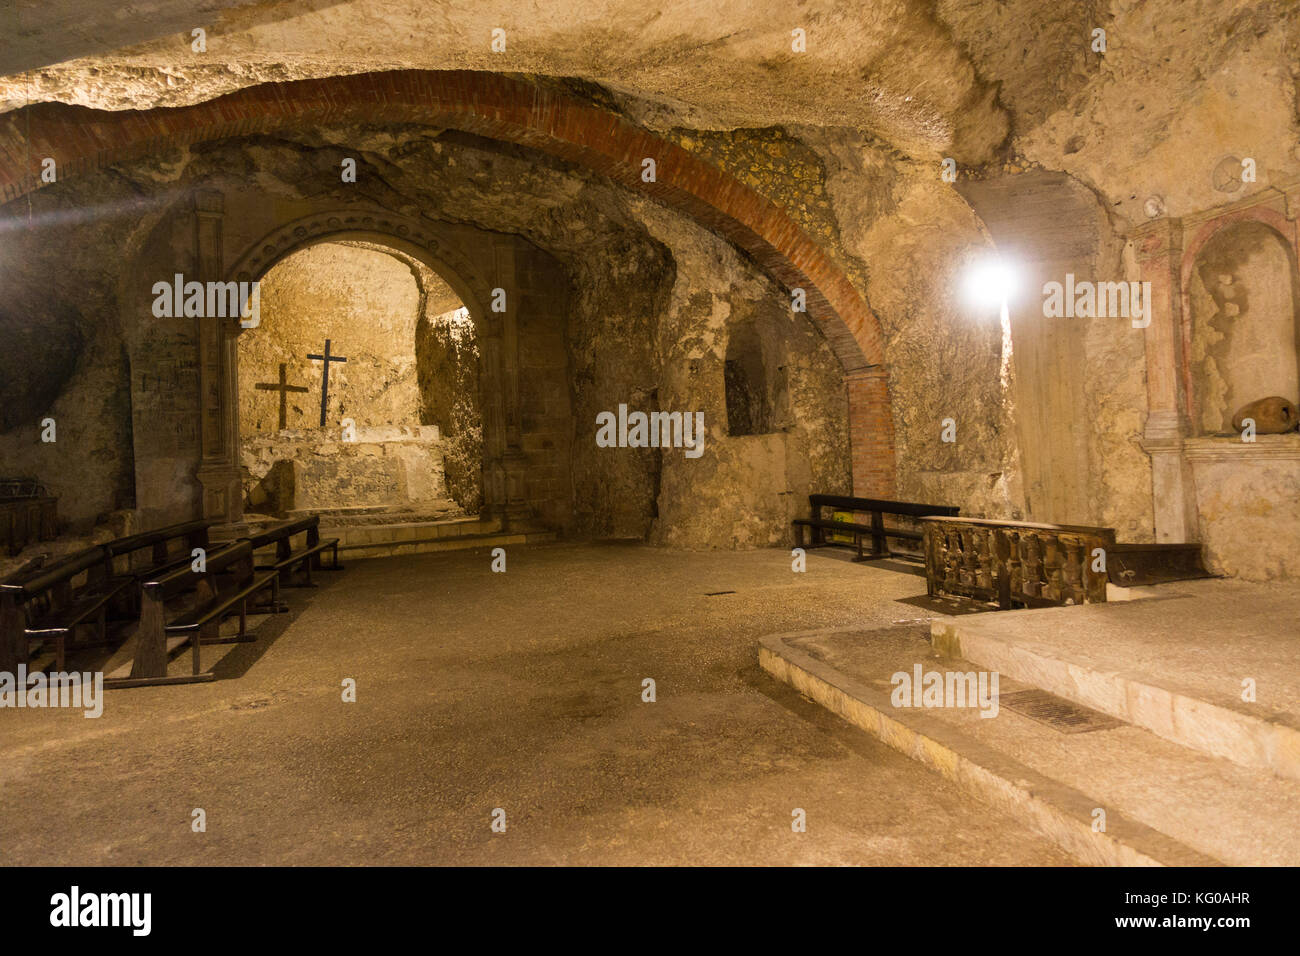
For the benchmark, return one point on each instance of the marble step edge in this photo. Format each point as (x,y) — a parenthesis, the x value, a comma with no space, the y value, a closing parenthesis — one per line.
(1192,722)
(1058,811)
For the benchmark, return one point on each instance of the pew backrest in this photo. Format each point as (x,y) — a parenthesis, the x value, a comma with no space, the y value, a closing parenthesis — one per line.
(236,556)
(194,534)
(286,530)
(54,579)
(909,509)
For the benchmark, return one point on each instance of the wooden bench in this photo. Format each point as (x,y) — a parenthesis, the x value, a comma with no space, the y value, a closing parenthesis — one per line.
(149,554)
(305,558)
(184,606)
(27,513)
(877,530)
(46,603)
(161,544)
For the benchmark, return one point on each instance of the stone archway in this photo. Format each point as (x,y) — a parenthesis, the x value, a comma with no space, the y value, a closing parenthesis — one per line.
(503,461)
(515,111)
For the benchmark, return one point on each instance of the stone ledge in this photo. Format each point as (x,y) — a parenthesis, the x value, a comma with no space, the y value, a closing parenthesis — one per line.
(1197,724)
(1062,813)
(1227,448)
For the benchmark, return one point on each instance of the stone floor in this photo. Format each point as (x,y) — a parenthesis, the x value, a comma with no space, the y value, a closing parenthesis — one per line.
(521,691)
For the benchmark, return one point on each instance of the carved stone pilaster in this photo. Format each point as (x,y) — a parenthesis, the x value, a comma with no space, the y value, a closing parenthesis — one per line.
(218,470)
(1158,251)
(1173,487)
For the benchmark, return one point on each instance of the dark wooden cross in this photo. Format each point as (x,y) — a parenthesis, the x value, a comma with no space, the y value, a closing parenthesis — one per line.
(284,389)
(325,378)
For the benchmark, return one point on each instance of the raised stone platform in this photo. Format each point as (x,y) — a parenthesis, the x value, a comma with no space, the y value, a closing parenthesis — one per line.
(1191,775)
(386,538)
(375,533)
(1174,664)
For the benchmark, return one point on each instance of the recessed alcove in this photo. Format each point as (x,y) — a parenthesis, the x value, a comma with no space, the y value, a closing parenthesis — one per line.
(1243,329)
(394,431)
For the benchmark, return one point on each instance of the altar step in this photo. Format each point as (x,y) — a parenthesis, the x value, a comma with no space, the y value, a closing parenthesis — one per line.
(1176,666)
(436,510)
(1167,795)
(384,538)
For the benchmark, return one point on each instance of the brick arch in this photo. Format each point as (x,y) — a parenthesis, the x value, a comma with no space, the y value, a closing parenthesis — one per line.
(510,110)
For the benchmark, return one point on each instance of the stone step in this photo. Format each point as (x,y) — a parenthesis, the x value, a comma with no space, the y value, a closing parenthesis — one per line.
(1173,666)
(430,511)
(419,537)
(1163,803)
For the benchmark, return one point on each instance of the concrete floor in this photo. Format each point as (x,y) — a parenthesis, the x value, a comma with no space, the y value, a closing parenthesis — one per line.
(521,691)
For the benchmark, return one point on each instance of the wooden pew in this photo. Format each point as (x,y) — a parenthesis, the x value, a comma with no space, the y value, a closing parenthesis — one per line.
(878,531)
(168,620)
(161,543)
(45,603)
(26,519)
(151,553)
(27,570)
(304,558)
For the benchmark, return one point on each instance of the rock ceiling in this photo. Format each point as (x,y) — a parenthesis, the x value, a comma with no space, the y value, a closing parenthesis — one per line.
(974,79)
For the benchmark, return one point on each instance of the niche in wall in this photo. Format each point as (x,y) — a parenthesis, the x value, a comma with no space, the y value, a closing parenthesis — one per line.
(1244,329)
(754,378)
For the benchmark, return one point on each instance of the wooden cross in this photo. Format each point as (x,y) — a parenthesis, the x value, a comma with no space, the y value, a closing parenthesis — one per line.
(284,389)
(325,378)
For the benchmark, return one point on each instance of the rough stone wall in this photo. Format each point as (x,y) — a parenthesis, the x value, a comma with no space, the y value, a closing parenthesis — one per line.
(742,491)
(916,236)
(266,192)
(62,354)
(1114,411)
(1248,502)
(366,303)
(615,301)
(447,358)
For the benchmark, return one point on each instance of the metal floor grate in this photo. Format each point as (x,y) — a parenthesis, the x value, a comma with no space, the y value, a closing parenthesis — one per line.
(1057,712)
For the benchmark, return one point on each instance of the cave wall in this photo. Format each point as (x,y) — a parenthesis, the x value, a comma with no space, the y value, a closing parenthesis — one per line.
(611,300)
(367,303)
(62,352)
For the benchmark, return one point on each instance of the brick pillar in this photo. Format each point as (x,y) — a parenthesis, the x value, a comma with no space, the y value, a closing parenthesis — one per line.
(871,433)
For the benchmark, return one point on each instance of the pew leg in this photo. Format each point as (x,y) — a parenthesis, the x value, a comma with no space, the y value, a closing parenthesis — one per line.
(243,618)
(275,605)
(13,634)
(151,644)
(60,652)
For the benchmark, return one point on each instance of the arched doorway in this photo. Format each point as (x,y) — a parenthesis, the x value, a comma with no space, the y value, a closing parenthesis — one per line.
(358,389)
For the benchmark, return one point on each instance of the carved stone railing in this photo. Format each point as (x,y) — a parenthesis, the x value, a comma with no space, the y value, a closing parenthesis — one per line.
(1015,563)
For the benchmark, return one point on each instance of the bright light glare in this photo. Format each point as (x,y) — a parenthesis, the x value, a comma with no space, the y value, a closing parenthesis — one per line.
(990,283)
